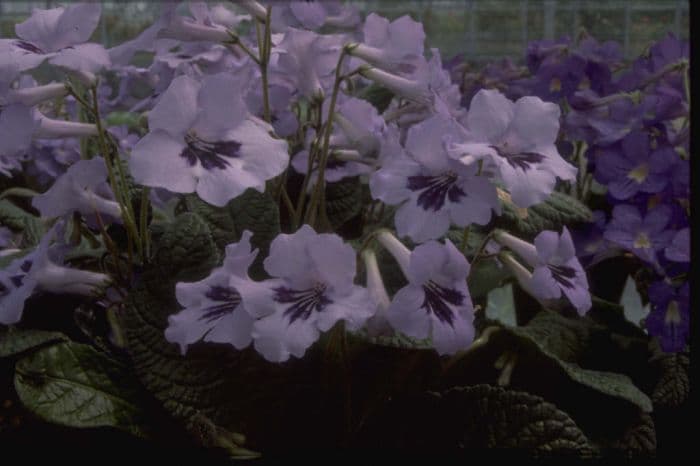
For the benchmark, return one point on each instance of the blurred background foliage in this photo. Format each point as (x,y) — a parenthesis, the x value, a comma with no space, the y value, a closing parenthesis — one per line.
(482,29)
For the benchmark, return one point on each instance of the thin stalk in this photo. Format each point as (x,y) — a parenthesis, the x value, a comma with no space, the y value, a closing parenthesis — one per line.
(320,180)
(465,238)
(143,224)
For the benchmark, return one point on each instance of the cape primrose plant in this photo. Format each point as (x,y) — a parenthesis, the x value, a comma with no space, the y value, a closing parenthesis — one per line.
(266,212)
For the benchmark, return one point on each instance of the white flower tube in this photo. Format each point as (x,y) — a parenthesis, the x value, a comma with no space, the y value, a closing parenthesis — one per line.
(378,323)
(410,89)
(254,8)
(397,249)
(525,250)
(57,279)
(54,129)
(31,96)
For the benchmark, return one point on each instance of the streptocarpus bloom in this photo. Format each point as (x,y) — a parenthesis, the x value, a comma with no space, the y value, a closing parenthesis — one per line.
(203,139)
(633,167)
(669,319)
(36,271)
(518,139)
(642,236)
(312,289)
(556,269)
(436,303)
(76,190)
(306,62)
(312,15)
(434,190)
(59,34)
(392,46)
(213,309)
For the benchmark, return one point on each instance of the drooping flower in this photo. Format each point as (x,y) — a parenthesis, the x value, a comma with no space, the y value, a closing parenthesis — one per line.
(432,189)
(556,269)
(436,303)
(643,236)
(311,289)
(518,140)
(77,191)
(203,139)
(37,271)
(669,319)
(213,310)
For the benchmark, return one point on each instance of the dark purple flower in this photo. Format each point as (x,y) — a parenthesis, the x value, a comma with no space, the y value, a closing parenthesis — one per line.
(669,319)
(632,166)
(642,236)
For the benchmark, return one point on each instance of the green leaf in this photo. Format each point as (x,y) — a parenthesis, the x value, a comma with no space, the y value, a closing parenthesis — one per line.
(33,231)
(12,216)
(15,341)
(485,275)
(343,200)
(75,385)
(558,210)
(184,252)
(219,220)
(673,386)
(18,191)
(639,438)
(378,96)
(475,417)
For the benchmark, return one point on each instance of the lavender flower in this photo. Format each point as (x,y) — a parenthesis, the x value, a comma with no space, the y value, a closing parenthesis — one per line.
(312,15)
(518,140)
(436,303)
(433,189)
(59,34)
(36,271)
(213,308)
(76,191)
(556,269)
(312,289)
(203,139)
(394,46)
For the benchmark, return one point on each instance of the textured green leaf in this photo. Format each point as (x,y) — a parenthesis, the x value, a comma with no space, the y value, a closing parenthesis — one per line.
(14,341)
(481,416)
(219,220)
(12,216)
(485,275)
(639,438)
(343,200)
(558,210)
(673,386)
(75,385)
(184,252)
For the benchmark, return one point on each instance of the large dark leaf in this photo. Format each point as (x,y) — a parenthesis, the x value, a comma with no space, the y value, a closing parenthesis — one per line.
(75,385)
(15,341)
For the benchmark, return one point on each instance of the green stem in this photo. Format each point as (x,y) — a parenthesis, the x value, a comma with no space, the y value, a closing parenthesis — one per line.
(320,181)
(316,108)
(465,237)
(143,221)
(480,251)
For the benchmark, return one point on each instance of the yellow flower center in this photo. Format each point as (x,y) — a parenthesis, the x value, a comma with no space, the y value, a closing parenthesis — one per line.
(673,315)
(642,241)
(639,173)
(555,85)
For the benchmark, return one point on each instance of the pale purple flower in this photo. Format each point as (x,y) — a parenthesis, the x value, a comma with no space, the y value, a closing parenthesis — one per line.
(556,269)
(312,15)
(37,271)
(213,310)
(432,189)
(642,236)
(306,62)
(517,139)
(312,289)
(76,191)
(203,139)
(436,303)
(198,27)
(17,125)
(59,35)
(393,46)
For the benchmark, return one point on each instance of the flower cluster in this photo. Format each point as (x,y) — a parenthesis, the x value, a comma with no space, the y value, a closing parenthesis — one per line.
(274,99)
